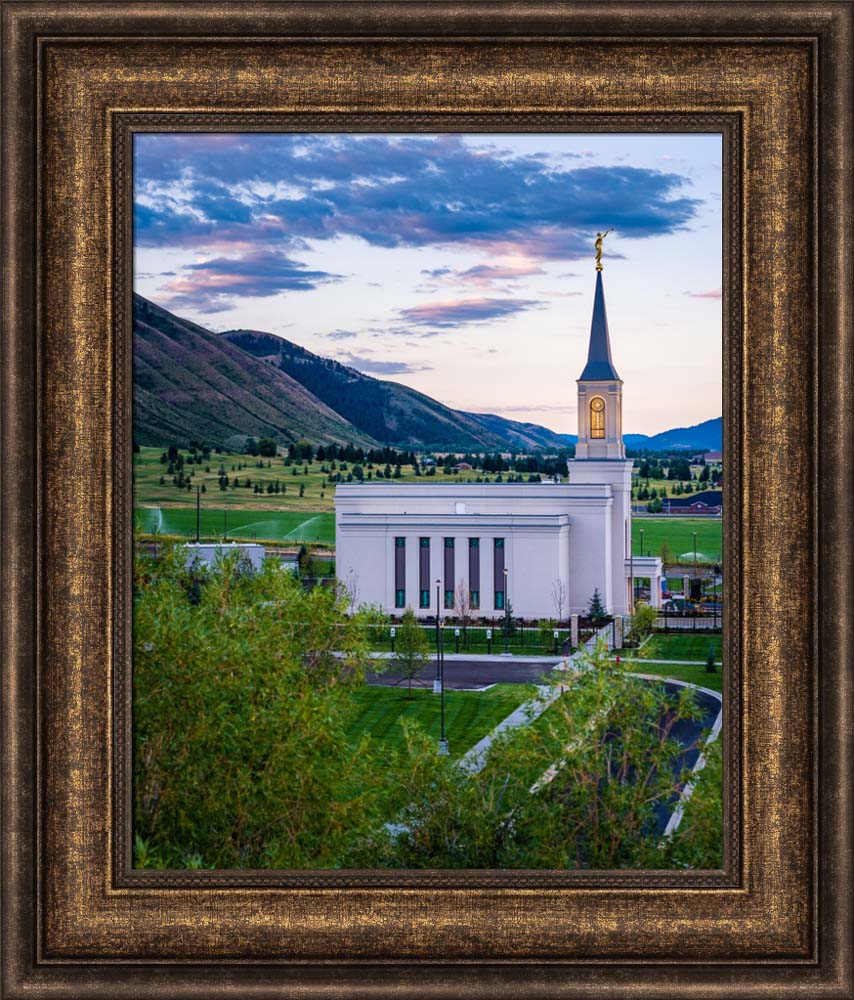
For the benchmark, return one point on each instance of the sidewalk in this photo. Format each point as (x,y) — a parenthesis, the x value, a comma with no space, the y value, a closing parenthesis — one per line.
(678,663)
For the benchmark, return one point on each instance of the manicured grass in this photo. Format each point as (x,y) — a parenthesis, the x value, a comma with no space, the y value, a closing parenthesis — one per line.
(276,517)
(690,674)
(678,532)
(683,647)
(469,715)
(264,525)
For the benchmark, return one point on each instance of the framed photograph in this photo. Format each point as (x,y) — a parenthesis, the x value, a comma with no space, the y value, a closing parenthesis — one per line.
(428,565)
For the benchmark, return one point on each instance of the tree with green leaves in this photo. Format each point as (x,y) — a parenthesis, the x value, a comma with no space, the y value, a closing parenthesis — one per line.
(411,649)
(243,756)
(641,623)
(582,789)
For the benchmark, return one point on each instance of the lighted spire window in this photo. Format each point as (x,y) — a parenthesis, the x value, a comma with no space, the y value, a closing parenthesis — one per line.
(597,417)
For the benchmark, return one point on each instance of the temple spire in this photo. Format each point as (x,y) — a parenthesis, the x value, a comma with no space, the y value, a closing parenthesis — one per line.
(599,364)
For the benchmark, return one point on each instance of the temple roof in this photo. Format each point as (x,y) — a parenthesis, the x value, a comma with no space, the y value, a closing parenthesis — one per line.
(599,365)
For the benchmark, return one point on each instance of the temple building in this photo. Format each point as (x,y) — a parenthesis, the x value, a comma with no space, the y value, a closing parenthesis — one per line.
(544,547)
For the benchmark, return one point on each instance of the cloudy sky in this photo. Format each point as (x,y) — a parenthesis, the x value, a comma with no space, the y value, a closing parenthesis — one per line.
(459,265)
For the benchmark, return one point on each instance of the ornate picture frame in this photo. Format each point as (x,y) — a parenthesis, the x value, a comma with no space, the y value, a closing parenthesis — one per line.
(77,81)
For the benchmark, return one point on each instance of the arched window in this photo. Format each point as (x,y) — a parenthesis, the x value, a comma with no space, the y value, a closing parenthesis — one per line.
(597,417)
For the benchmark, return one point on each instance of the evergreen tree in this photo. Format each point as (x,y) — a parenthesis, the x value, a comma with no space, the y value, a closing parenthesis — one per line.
(710,660)
(596,609)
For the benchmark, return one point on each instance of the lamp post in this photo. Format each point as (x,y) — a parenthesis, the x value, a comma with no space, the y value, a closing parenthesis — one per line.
(506,618)
(641,534)
(443,742)
(695,576)
(632,573)
(437,683)
(198,511)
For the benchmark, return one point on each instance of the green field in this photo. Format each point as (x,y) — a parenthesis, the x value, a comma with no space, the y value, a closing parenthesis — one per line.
(679,534)
(266,525)
(288,517)
(686,647)
(469,715)
(681,672)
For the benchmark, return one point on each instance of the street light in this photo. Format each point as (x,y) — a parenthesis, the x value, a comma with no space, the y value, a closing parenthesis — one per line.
(641,534)
(437,684)
(632,594)
(443,743)
(694,586)
(506,618)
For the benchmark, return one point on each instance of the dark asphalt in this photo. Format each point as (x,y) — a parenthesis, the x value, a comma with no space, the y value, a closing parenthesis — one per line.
(471,673)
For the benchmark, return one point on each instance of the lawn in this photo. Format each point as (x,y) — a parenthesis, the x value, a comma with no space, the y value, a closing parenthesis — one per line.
(263,525)
(469,715)
(678,532)
(690,674)
(683,647)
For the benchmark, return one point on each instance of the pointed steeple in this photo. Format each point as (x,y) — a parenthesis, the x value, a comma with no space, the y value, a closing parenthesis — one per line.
(599,365)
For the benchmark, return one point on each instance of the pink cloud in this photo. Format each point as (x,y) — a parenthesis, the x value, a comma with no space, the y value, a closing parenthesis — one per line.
(712,293)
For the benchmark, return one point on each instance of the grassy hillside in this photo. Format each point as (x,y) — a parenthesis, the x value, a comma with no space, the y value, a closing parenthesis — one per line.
(191,384)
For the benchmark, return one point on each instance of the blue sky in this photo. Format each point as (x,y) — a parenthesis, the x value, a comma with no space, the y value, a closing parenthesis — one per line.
(459,265)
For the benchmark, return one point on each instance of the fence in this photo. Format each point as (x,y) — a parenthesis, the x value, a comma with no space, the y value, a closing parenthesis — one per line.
(693,618)
(477,639)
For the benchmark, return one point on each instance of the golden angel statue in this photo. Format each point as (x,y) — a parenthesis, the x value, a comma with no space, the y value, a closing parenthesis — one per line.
(598,245)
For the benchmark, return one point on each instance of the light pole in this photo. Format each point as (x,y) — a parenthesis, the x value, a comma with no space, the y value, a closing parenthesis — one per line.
(694,586)
(443,743)
(641,534)
(437,684)
(198,511)
(506,617)
(632,573)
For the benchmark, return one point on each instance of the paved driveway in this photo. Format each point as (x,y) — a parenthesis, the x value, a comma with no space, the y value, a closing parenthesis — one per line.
(475,672)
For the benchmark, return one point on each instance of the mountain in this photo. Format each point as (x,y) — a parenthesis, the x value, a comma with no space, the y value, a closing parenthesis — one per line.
(524,436)
(389,412)
(191,383)
(707,436)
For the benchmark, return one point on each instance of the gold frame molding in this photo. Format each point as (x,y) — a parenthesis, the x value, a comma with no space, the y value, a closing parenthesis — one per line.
(78,79)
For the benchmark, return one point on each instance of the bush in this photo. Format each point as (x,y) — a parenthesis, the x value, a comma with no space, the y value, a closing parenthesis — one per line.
(240,715)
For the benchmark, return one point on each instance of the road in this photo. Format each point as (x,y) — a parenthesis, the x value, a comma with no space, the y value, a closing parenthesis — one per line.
(462,672)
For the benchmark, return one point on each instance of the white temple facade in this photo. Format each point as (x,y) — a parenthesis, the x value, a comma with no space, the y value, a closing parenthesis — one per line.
(545,547)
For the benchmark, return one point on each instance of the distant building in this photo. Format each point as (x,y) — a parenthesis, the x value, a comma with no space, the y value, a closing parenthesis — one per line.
(397,544)
(250,555)
(707,502)
(463,467)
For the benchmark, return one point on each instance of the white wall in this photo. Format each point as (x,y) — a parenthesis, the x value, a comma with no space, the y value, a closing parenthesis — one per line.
(551,532)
